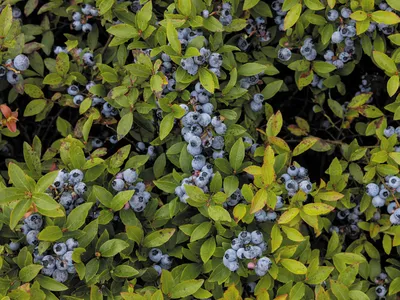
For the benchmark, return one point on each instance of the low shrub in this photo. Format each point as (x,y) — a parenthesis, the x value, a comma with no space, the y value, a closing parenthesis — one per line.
(199,150)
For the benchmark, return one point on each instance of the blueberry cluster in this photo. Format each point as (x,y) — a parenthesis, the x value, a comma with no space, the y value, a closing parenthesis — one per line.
(247,82)
(279,14)
(225,16)
(308,50)
(270,215)
(31,228)
(80,19)
(380,193)
(381,280)
(86,57)
(257,27)
(68,189)
(59,264)
(234,199)
(249,248)
(192,64)
(12,68)
(347,222)
(125,181)
(257,102)
(295,179)
(162,261)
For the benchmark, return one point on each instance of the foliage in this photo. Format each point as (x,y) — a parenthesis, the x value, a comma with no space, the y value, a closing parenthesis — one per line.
(148,137)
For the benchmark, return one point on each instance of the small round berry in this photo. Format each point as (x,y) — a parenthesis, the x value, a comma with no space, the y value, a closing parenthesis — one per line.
(372,189)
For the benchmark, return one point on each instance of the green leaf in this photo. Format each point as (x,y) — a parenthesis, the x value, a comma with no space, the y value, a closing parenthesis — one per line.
(297,292)
(50,234)
(207,249)
(50,284)
(62,63)
(294,266)
(6,20)
(304,145)
(125,271)
(19,211)
(158,238)
(339,290)
(385,17)
(394,286)
(251,69)
(173,39)
(33,91)
(314,4)
(186,288)
(135,233)
(206,80)
(29,272)
(320,275)
(34,107)
(123,31)
(124,125)
(394,4)
(358,295)
(86,127)
(316,209)
(77,216)
(44,201)
(250,4)
(384,62)
(112,247)
(200,231)
(52,79)
(120,199)
(393,85)
(143,16)
(212,24)
(292,16)
(19,178)
(166,125)
(167,282)
(218,213)
(276,238)
(236,155)
(271,89)
(185,7)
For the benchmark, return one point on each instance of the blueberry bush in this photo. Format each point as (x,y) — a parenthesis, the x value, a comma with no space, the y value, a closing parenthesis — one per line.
(197,149)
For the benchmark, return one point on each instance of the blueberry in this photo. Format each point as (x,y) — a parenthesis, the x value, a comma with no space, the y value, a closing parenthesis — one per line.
(236,244)
(258,98)
(293,171)
(86,9)
(342,214)
(71,244)
(73,90)
(257,237)
(158,269)
(377,201)
(60,276)
(329,54)
(21,62)
(230,255)
(245,237)
(12,77)
(345,12)
(279,202)
(76,16)
(97,143)
(260,216)
(337,37)
(155,255)
(60,249)
(71,270)
(394,182)
(284,54)
(292,186)
(49,262)
(332,15)
(215,60)
(256,107)
(34,221)
(384,193)
(232,266)
(166,260)
(264,263)
(271,216)
(94,12)
(221,129)
(16,13)
(305,186)
(75,176)
(66,200)
(67,257)
(88,59)
(391,207)
(25,229)
(285,177)
(31,237)
(118,185)
(76,25)
(47,271)
(113,139)
(130,175)
(78,99)
(14,246)
(389,131)
(380,291)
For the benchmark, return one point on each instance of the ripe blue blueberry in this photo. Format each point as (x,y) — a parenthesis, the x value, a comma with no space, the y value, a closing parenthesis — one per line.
(12,77)
(118,184)
(284,54)
(155,255)
(21,62)
(391,207)
(86,9)
(60,275)
(75,176)
(130,175)
(88,59)
(345,12)
(34,221)
(257,237)
(76,25)
(73,90)
(78,99)
(377,201)
(258,98)
(158,269)
(332,15)
(14,246)
(337,37)
(31,237)
(245,237)
(60,248)
(380,291)
(305,186)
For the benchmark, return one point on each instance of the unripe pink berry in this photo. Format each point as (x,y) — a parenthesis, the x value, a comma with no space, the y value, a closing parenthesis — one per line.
(251,265)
